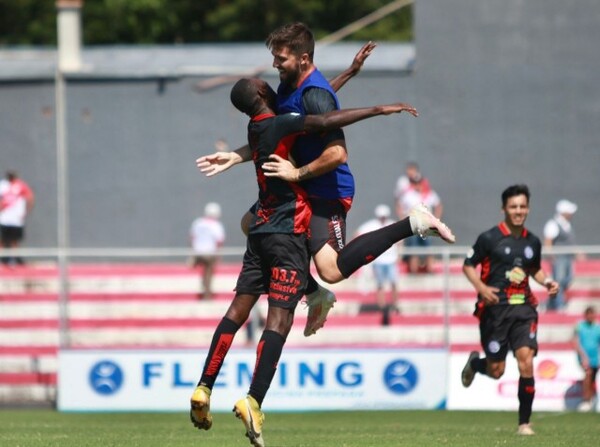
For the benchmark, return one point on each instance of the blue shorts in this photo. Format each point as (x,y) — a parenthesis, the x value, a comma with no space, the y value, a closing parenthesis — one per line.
(417,241)
(385,273)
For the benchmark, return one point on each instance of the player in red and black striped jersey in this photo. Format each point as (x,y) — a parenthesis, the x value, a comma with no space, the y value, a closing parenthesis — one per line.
(322,172)
(276,259)
(506,307)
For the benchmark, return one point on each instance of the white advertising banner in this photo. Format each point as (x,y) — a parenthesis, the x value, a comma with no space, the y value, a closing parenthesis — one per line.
(306,379)
(557,384)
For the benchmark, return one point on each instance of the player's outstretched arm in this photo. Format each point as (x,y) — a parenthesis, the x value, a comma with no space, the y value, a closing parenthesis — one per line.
(335,153)
(340,80)
(345,117)
(218,162)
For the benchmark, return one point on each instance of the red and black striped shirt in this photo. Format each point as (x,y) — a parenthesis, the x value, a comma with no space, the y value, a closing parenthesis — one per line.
(507,262)
(282,206)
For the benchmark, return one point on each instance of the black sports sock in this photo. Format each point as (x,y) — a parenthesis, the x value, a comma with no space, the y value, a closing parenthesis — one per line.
(267,356)
(368,246)
(526,395)
(221,342)
(311,285)
(479,365)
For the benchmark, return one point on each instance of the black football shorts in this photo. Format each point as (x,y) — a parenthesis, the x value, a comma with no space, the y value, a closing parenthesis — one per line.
(277,265)
(327,225)
(504,327)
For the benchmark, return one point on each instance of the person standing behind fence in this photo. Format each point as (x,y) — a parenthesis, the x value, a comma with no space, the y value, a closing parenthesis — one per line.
(207,234)
(558,232)
(385,267)
(413,189)
(587,345)
(16,201)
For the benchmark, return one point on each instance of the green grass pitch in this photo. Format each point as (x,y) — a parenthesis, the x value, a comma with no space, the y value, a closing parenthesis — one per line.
(48,428)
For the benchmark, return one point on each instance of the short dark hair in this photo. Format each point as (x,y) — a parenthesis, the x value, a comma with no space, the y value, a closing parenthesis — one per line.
(244,96)
(11,175)
(515,190)
(413,164)
(296,36)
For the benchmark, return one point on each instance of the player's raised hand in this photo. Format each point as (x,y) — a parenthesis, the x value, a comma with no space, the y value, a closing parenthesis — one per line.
(362,55)
(399,108)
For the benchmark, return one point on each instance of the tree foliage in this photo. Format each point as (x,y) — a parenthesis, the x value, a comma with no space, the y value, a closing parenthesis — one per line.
(33,22)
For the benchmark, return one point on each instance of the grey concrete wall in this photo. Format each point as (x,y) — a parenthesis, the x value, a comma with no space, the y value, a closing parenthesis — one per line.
(506,92)
(132,149)
(28,145)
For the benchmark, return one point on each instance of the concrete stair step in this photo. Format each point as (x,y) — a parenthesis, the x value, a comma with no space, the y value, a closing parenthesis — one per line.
(149,306)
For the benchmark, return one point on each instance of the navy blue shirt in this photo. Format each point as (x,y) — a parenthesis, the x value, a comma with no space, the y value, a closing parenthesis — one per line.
(336,184)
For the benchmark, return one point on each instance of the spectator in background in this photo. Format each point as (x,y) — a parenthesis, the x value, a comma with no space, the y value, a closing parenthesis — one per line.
(221,145)
(558,232)
(385,269)
(413,189)
(587,344)
(16,201)
(207,234)
(412,174)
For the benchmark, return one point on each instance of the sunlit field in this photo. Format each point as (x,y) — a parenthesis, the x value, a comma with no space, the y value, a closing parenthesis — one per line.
(47,428)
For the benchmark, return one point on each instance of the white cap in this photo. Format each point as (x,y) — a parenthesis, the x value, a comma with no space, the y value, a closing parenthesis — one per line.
(566,207)
(213,210)
(382,211)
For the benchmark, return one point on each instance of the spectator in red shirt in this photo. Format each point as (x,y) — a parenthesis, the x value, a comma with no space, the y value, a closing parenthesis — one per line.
(16,201)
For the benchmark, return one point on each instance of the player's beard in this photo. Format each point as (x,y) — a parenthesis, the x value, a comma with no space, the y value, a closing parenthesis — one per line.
(290,78)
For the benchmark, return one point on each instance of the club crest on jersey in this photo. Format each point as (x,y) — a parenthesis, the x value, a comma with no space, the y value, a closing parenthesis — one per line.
(528,252)
(516,275)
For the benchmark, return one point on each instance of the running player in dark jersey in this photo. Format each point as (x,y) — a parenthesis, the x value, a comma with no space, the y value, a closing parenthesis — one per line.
(276,259)
(506,307)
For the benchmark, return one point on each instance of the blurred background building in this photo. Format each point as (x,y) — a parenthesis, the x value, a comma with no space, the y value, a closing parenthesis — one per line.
(506,93)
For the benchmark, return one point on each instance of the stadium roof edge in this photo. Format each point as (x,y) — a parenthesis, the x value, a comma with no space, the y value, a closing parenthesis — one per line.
(158,61)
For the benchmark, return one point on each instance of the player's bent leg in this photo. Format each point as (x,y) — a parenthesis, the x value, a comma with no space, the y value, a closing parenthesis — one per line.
(249,412)
(200,408)
(495,368)
(245,222)
(326,263)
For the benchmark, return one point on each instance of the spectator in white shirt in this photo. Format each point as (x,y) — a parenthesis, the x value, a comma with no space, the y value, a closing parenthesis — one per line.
(413,189)
(385,268)
(558,232)
(207,234)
